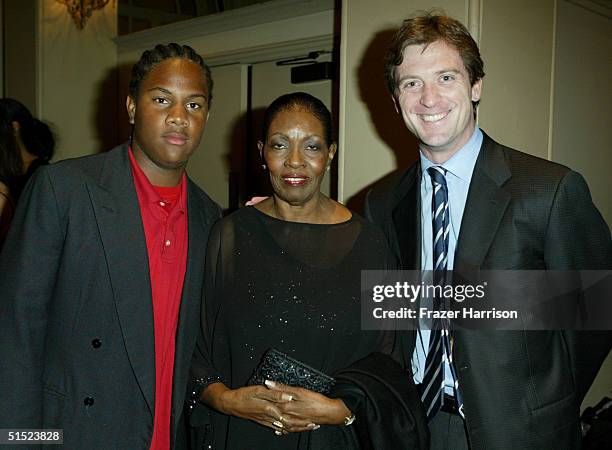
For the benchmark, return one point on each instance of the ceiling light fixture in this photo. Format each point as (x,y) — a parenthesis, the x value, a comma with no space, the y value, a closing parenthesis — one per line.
(81,10)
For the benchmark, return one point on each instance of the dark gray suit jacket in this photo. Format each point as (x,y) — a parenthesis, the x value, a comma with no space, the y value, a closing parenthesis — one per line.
(76,317)
(521,389)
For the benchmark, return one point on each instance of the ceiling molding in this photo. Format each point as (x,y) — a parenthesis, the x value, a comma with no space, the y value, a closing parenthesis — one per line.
(234,19)
(154,15)
(270,52)
(600,7)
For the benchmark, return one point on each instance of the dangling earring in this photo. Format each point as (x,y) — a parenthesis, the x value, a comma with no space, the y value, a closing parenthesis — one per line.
(328,167)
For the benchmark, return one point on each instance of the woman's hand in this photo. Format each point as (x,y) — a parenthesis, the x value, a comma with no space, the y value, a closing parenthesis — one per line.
(308,407)
(256,403)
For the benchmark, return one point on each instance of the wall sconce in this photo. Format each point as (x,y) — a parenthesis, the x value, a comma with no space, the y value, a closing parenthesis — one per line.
(81,10)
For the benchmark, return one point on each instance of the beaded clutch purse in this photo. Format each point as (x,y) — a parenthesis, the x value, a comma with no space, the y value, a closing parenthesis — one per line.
(277,366)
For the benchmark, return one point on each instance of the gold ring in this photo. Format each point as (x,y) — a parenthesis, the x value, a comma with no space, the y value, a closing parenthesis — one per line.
(278,424)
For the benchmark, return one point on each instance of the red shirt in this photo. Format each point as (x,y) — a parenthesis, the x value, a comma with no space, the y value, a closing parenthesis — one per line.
(164,217)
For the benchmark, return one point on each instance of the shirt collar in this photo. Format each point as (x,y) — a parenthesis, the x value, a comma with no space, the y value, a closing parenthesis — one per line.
(147,191)
(462,163)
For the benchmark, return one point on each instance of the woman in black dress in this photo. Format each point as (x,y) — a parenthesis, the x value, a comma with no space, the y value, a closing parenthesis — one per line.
(285,274)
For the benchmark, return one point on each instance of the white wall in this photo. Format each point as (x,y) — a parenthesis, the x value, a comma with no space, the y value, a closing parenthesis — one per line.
(582,135)
(210,165)
(516,43)
(77,82)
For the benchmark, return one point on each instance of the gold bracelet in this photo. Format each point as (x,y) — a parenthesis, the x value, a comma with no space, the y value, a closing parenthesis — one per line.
(349,419)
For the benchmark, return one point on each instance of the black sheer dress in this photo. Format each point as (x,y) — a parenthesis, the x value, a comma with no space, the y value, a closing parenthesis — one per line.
(292,286)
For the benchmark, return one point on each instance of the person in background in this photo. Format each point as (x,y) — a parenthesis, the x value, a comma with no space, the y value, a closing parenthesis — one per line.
(25,144)
(101,274)
(470,204)
(7,208)
(285,274)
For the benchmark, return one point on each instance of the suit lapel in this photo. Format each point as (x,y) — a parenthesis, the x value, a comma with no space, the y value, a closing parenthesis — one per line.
(407,219)
(485,206)
(189,315)
(120,225)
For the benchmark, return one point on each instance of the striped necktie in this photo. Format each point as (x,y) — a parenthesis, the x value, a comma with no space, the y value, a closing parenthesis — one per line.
(432,387)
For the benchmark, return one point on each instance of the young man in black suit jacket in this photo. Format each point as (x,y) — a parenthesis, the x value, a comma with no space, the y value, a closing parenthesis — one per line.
(101,275)
(507,210)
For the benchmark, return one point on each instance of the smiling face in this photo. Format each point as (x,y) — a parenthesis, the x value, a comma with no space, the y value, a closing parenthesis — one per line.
(169,117)
(435,98)
(297,154)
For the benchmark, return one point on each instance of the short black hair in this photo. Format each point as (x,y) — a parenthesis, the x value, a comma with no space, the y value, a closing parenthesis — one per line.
(300,101)
(150,58)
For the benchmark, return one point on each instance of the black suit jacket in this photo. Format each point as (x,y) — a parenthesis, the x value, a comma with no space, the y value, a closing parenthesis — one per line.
(521,389)
(76,317)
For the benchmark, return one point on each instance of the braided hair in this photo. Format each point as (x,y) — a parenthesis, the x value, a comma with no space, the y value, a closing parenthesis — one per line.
(150,58)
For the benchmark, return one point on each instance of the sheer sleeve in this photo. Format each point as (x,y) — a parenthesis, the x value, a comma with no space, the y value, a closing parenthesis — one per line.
(203,372)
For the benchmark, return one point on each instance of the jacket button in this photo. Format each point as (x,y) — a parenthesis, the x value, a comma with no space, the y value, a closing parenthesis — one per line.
(89,401)
(96,343)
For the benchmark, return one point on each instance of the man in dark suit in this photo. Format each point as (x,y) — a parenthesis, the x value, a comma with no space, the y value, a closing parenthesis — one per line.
(101,275)
(473,204)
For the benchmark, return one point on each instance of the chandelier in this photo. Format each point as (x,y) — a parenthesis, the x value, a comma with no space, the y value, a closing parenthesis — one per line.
(81,10)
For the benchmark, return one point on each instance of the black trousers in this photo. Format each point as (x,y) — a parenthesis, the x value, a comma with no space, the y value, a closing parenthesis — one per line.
(448,432)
